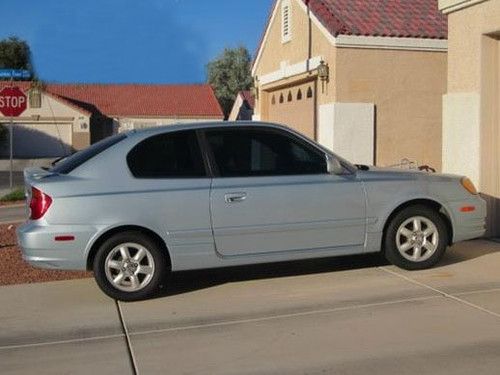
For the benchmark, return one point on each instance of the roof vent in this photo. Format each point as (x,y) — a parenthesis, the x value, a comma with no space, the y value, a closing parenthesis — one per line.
(286,21)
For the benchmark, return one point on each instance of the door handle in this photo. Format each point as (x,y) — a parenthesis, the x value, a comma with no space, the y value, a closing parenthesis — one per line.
(235,197)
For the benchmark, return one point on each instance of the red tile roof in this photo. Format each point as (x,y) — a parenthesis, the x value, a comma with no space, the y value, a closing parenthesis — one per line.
(137,100)
(248,97)
(393,18)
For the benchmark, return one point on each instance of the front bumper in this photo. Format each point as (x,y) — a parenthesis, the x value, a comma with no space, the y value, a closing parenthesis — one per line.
(40,249)
(468,225)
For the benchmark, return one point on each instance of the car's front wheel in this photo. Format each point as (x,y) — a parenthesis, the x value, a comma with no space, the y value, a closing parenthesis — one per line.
(416,238)
(129,266)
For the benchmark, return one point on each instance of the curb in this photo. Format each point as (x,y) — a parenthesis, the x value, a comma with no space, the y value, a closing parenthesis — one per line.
(18,205)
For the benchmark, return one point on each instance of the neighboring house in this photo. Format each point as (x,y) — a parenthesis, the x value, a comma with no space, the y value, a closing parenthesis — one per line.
(243,106)
(364,78)
(66,117)
(471,107)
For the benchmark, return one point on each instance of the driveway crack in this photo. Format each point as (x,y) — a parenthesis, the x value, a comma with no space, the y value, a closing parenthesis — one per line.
(441,292)
(128,342)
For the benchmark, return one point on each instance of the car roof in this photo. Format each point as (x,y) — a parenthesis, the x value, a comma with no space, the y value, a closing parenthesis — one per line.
(203,125)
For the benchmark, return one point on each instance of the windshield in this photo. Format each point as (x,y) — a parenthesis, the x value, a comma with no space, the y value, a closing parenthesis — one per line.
(68,164)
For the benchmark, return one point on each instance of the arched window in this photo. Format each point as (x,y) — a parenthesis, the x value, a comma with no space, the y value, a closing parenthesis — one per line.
(299,94)
(273,100)
(289,99)
(281,98)
(309,92)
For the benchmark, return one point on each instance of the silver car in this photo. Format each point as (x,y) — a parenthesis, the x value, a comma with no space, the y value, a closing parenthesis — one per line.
(138,205)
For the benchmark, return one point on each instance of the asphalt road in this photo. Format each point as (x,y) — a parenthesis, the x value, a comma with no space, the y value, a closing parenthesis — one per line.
(12,214)
(351,315)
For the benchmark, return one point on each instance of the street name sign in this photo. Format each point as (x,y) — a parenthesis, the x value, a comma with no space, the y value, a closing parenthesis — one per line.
(15,73)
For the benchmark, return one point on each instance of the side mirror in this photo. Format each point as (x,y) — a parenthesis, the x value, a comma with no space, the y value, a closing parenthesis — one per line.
(333,165)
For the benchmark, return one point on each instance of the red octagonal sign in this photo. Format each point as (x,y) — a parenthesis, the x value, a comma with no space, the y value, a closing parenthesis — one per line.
(13,102)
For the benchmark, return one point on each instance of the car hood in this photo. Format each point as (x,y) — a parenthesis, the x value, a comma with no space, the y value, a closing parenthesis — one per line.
(403,174)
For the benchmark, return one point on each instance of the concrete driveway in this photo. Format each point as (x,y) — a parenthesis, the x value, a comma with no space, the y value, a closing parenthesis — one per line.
(337,316)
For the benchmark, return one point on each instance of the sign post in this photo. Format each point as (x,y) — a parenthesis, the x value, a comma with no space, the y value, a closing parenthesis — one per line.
(13,102)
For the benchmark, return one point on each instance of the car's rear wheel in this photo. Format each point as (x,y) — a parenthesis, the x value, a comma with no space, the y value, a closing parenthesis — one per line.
(416,238)
(129,266)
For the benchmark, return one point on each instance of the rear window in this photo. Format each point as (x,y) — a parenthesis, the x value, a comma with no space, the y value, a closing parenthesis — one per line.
(72,162)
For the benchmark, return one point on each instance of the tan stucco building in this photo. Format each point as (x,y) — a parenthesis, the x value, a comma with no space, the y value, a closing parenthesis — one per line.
(380,100)
(471,106)
(63,118)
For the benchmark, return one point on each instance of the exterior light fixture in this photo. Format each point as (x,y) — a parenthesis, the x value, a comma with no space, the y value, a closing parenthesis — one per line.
(323,73)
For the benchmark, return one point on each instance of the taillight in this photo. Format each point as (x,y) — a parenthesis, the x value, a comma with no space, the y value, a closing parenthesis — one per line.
(39,204)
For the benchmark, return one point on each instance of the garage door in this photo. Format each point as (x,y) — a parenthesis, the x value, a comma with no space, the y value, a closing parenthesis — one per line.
(41,140)
(295,107)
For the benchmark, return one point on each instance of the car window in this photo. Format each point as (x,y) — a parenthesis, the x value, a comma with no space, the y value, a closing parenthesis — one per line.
(262,152)
(167,155)
(70,163)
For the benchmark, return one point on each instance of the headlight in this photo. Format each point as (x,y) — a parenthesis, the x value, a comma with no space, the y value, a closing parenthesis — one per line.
(468,185)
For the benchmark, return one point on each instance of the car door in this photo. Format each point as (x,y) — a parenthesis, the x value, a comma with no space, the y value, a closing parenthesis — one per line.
(272,193)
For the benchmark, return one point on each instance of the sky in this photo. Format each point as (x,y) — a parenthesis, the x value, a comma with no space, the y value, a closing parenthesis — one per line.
(127,41)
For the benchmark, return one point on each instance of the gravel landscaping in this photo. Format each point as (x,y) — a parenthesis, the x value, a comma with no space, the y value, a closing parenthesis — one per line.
(14,270)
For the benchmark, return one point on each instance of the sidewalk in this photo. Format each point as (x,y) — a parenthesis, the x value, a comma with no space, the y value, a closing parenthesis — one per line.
(343,315)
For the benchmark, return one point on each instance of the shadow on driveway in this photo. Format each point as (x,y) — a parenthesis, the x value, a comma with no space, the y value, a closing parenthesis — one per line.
(188,281)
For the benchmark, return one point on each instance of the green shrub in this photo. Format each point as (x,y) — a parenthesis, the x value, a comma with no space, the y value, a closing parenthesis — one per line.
(14,195)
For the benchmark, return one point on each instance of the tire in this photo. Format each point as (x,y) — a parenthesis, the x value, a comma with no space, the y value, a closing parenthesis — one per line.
(131,274)
(403,237)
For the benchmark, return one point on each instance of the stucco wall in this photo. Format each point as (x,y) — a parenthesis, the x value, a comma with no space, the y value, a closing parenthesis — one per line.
(465,30)
(235,111)
(406,88)
(474,72)
(274,53)
(80,140)
(347,129)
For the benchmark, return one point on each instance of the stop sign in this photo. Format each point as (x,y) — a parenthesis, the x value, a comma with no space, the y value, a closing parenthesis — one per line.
(13,102)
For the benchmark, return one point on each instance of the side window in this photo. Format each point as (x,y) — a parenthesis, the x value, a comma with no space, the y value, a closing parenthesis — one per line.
(168,155)
(257,152)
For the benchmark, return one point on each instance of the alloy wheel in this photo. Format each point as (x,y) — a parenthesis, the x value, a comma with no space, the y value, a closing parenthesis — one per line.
(417,238)
(129,267)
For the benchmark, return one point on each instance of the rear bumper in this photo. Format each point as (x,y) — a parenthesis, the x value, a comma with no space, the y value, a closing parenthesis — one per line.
(468,225)
(40,249)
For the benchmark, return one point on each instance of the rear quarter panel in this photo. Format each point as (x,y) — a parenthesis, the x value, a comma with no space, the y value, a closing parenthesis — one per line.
(104,194)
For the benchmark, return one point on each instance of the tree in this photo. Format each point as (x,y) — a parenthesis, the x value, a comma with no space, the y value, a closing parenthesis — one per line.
(229,73)
(15,54)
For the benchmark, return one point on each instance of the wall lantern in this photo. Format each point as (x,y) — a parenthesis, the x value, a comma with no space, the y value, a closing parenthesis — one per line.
(323,73)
